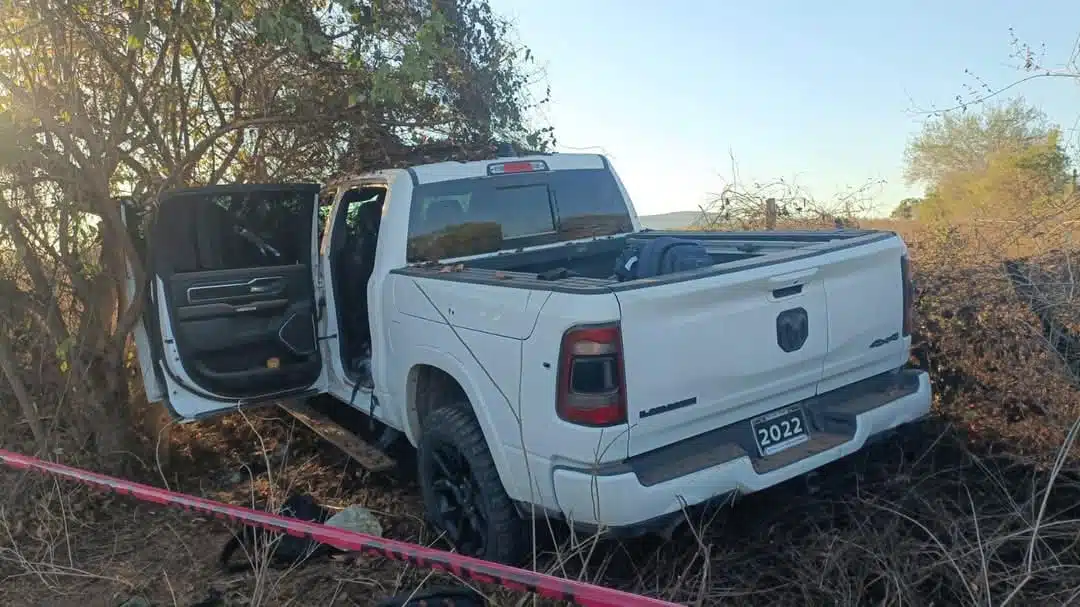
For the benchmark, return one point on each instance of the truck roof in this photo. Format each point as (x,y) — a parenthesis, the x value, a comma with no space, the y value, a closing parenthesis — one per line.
(451,169)
(445,171)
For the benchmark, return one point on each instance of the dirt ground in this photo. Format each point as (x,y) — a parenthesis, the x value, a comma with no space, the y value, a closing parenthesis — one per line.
(106,549)
(931,516)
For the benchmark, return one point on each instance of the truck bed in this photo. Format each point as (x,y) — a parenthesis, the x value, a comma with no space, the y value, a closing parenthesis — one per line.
(588,266)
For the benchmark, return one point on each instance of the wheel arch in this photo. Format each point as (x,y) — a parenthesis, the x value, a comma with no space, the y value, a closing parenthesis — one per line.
(437,378)
(427,387)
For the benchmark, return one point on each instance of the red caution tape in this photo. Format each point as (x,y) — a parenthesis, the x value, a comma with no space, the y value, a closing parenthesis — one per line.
(474,569)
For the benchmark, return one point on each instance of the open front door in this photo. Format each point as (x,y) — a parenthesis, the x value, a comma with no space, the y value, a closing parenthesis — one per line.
(232,316)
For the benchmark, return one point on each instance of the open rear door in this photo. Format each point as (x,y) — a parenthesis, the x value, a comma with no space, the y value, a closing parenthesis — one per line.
(232,315)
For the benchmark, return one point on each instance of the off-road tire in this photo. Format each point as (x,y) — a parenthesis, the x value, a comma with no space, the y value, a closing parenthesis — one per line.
(506,540)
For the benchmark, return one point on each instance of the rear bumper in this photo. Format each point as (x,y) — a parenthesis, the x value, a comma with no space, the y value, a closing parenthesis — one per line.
(649,490)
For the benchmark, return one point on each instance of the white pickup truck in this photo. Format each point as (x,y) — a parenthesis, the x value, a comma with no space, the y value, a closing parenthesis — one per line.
(492,312)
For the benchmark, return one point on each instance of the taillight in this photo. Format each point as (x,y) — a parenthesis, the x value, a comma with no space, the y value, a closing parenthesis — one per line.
(592,391)
(909,295)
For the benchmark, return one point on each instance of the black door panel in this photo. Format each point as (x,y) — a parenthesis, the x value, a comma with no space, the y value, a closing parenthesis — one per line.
(239,286)
(297,331)
(214,310)
(236,265)
(256,288)
(234,339)
(210,334)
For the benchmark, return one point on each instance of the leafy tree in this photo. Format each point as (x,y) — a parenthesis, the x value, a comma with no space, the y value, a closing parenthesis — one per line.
(1025,187)
(1004,163)
(102,101)
(962,142)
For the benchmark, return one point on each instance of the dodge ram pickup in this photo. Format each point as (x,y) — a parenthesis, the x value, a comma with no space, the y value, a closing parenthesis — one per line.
(546,355)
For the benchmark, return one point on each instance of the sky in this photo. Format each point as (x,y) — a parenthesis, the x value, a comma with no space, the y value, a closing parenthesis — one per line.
(821,94)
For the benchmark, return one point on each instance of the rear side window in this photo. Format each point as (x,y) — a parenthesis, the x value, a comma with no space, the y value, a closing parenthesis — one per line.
(212,230)
(464,217)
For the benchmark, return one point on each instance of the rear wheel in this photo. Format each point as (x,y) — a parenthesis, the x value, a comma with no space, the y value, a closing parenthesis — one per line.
(463,496)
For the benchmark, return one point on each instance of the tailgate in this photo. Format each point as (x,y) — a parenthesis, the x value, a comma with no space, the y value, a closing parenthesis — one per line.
(704,353)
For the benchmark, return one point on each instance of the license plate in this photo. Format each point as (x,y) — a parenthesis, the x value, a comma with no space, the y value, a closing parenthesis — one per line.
(779,430)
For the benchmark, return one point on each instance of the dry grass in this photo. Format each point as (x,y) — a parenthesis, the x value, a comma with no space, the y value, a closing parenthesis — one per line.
(976,507)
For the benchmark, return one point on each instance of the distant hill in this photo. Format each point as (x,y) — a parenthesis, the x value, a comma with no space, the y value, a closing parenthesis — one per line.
(670,221)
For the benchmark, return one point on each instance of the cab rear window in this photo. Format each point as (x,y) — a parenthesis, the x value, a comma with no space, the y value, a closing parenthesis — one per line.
(462,217)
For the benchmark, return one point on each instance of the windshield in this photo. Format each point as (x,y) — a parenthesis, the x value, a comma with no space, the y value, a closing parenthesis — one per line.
(463,217)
